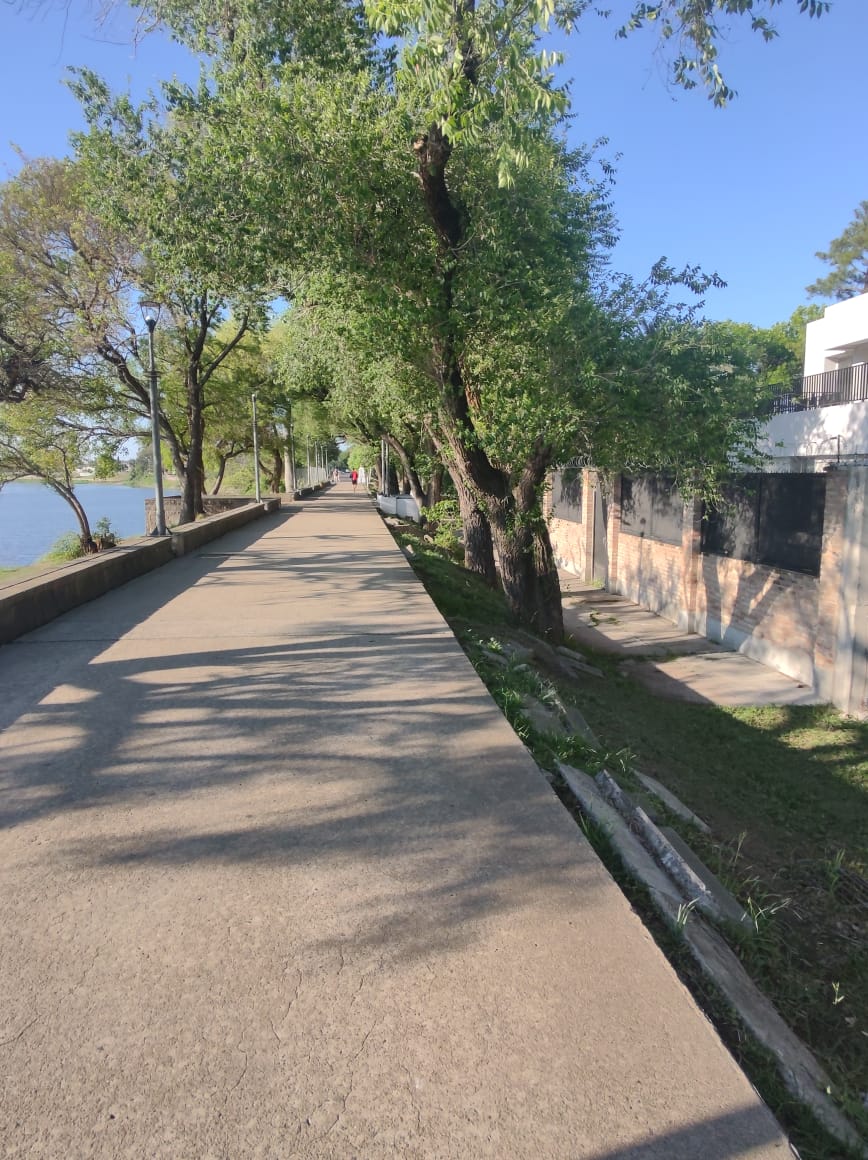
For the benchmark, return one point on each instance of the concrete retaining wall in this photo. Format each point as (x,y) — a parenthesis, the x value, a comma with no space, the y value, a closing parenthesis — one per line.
(399,505)
(40,599)
(213,504)
(188,537)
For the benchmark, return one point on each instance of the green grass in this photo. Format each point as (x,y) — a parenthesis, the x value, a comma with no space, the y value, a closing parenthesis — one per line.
(785,792)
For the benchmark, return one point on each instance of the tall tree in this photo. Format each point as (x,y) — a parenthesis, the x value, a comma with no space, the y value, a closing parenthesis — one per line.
(848,257)
(41,438)
(443,194)
(77,279)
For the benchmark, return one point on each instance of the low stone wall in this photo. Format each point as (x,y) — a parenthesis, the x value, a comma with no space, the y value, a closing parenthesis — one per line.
(214,505)
(36,601)
(188,537)
(40,599)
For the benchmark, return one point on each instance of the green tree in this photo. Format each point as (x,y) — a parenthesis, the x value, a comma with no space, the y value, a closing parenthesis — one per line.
(79,312)
(774,355)
(106,463)
(848,257)
(37,439)
(439,198)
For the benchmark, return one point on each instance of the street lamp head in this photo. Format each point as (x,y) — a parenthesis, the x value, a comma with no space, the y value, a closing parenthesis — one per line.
(150,312)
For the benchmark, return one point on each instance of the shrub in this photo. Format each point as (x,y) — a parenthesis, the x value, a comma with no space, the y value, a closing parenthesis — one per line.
(443,523)
(68,547)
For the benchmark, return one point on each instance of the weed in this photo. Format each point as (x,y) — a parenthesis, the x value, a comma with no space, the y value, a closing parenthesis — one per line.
(685,909)
(834,867)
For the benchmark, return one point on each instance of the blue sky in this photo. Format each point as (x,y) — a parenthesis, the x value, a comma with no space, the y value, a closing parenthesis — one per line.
(751,191)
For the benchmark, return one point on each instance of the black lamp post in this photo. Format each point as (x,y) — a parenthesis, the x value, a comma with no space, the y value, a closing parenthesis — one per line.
(151,314)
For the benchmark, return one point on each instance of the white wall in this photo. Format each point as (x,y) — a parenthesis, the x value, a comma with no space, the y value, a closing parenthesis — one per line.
(821,433)
(839,338)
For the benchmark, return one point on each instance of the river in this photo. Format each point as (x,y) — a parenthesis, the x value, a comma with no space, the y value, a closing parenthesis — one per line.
(33,517)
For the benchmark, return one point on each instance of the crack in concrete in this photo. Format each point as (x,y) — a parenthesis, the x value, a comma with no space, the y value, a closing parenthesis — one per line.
(15,1038)
(241,1076)
(289,1006)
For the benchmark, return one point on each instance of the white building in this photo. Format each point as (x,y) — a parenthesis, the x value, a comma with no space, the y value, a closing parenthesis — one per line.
(824,420)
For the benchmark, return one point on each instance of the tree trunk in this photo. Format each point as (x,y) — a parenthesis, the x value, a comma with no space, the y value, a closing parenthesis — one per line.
(274,473)
(434,491)
(528,574)
(478,544)
(67,493)
(222,460)
(194,473)
(526,563)
(412,483)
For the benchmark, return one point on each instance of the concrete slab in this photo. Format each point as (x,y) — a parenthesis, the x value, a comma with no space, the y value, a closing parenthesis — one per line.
(727,903)
(277,879)
(670,662)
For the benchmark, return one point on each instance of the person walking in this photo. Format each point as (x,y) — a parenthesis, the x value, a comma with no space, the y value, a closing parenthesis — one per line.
(354,477)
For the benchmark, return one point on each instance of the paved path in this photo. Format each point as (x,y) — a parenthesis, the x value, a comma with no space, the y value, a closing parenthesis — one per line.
(277,880)
(677,665)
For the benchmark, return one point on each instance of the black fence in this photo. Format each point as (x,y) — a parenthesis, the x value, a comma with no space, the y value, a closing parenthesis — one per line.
(769,519)
(567,494)
(652,506)
(845,385)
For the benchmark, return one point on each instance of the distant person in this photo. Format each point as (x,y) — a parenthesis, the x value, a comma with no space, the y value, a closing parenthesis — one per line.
(335,475)
(354,479)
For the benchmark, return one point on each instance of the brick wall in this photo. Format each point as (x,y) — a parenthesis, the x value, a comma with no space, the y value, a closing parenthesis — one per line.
(785,619)
(831,563)
(651,574)
(572,540)
(767,613)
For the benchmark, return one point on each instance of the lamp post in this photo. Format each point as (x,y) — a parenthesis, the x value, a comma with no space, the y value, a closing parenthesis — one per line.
(291,448)
(151,314)
(256,451)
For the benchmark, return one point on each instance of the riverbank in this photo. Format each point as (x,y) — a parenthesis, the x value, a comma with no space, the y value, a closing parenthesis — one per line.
(33,517)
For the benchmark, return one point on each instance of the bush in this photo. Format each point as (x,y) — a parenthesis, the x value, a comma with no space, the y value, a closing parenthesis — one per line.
(104,533)
(68,547)
(443,523)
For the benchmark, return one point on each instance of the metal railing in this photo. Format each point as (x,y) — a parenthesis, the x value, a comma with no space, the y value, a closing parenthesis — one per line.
(845,385)
(310,477)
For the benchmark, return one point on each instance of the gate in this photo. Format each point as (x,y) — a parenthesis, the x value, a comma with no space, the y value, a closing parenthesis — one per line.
(600,563)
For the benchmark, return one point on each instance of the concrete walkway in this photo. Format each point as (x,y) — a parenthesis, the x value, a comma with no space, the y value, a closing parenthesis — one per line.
(677,665)
(277,880)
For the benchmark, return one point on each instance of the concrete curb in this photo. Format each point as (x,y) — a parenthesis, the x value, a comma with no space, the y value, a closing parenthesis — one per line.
(685,877)
(799,1070)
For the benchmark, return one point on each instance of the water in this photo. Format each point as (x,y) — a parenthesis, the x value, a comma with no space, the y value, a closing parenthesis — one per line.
(33,517)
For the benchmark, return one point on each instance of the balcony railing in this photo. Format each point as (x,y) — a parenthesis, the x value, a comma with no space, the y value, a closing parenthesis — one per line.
(845,385)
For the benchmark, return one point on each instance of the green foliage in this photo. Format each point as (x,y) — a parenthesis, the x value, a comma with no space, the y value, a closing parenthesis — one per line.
(362,455)
(848,257)
(694,28)
(103,529)
(106,464)
(443,522)
(67,547)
